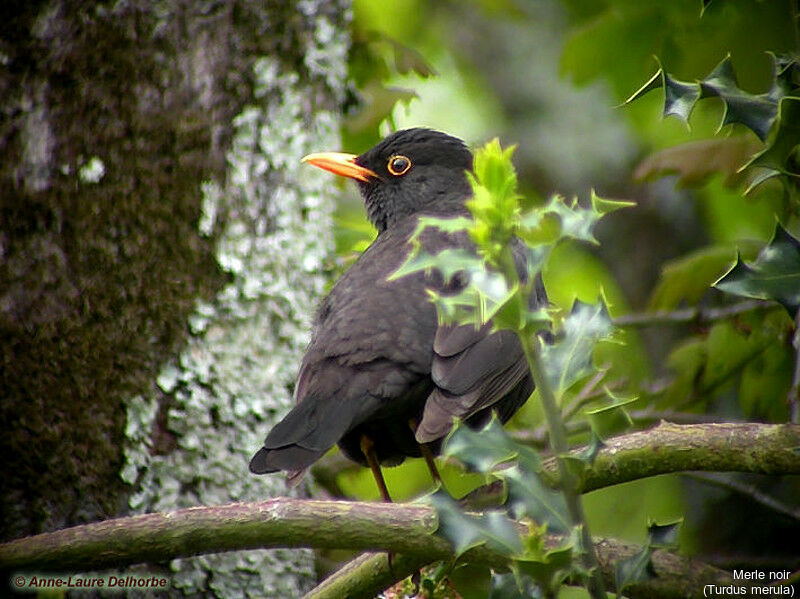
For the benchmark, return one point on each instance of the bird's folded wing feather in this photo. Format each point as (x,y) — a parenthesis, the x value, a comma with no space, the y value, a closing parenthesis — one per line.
(472,369)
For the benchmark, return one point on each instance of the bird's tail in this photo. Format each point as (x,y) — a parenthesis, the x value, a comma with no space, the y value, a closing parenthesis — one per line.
(306,434)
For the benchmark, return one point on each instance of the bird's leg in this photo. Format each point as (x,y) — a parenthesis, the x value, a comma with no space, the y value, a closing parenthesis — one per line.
(368,449)
(425,450)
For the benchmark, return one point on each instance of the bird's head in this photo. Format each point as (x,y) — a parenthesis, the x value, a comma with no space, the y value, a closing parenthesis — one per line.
(407,172)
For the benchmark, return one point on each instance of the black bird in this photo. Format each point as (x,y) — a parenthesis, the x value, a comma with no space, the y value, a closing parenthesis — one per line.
(381,377)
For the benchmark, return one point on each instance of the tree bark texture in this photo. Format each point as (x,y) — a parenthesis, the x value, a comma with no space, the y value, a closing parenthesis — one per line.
(160,255)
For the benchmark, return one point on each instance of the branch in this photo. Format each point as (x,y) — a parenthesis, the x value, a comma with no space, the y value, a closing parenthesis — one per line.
(400,528)
(750,491)
(691,315)
(282,522)
(723,447)
(667,448)
(675,576)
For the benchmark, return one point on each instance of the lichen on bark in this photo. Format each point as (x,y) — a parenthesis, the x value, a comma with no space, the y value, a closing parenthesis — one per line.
(234,380)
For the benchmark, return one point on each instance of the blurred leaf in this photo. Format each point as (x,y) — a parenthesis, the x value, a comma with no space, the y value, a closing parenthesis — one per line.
(465,531)
(636,568)
(608,421)
(765,384)
(663,536)
(695,161)
(448,225)
(513,586)
(689,277)
(529,496)
(481,450)
(603,206)
(728,349)
(551,570)
(775,275)
(448,262)
(589,453)
(569,358)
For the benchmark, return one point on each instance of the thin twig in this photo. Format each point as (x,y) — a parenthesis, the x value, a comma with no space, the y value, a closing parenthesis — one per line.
(691,315)
(750,491)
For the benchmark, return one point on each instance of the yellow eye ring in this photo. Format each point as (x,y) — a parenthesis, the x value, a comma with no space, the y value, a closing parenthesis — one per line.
(398,165)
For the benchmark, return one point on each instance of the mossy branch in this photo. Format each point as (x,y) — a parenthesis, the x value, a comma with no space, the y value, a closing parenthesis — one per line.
(675,576)
(400,528)
(404,529)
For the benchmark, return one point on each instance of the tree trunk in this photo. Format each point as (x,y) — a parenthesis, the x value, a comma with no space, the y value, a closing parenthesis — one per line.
(160,256)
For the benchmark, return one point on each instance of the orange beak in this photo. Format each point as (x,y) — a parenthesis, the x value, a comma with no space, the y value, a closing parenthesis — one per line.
(340,164)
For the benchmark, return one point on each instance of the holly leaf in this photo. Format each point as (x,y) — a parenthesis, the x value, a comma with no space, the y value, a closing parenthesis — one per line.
(680,97)
(529,496)
(610,420)
(465,531)
(775,275)
(483,449)
(663,536)
(603,206)
(777,155)
(448,262)
(551,570)
(689,277)
(636,568)
(569,358)
(512,586)
(756,112)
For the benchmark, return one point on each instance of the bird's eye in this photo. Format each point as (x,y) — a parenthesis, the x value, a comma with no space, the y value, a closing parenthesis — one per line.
(398,165)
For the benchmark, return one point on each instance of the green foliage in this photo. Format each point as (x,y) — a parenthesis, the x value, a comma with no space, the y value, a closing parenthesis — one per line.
(639,566)
(775,275)
(529,500)
(726,70)
(569,358)
(495,293)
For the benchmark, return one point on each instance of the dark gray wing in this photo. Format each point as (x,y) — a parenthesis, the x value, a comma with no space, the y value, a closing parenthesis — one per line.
(472,369)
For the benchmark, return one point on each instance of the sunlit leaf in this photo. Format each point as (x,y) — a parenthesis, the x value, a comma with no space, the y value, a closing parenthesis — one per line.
(448,262)
(603,206)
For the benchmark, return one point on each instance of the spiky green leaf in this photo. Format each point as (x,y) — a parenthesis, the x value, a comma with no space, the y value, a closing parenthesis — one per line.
(663,535)
(483,449)
(465,531)
(775,275)
(569,358)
